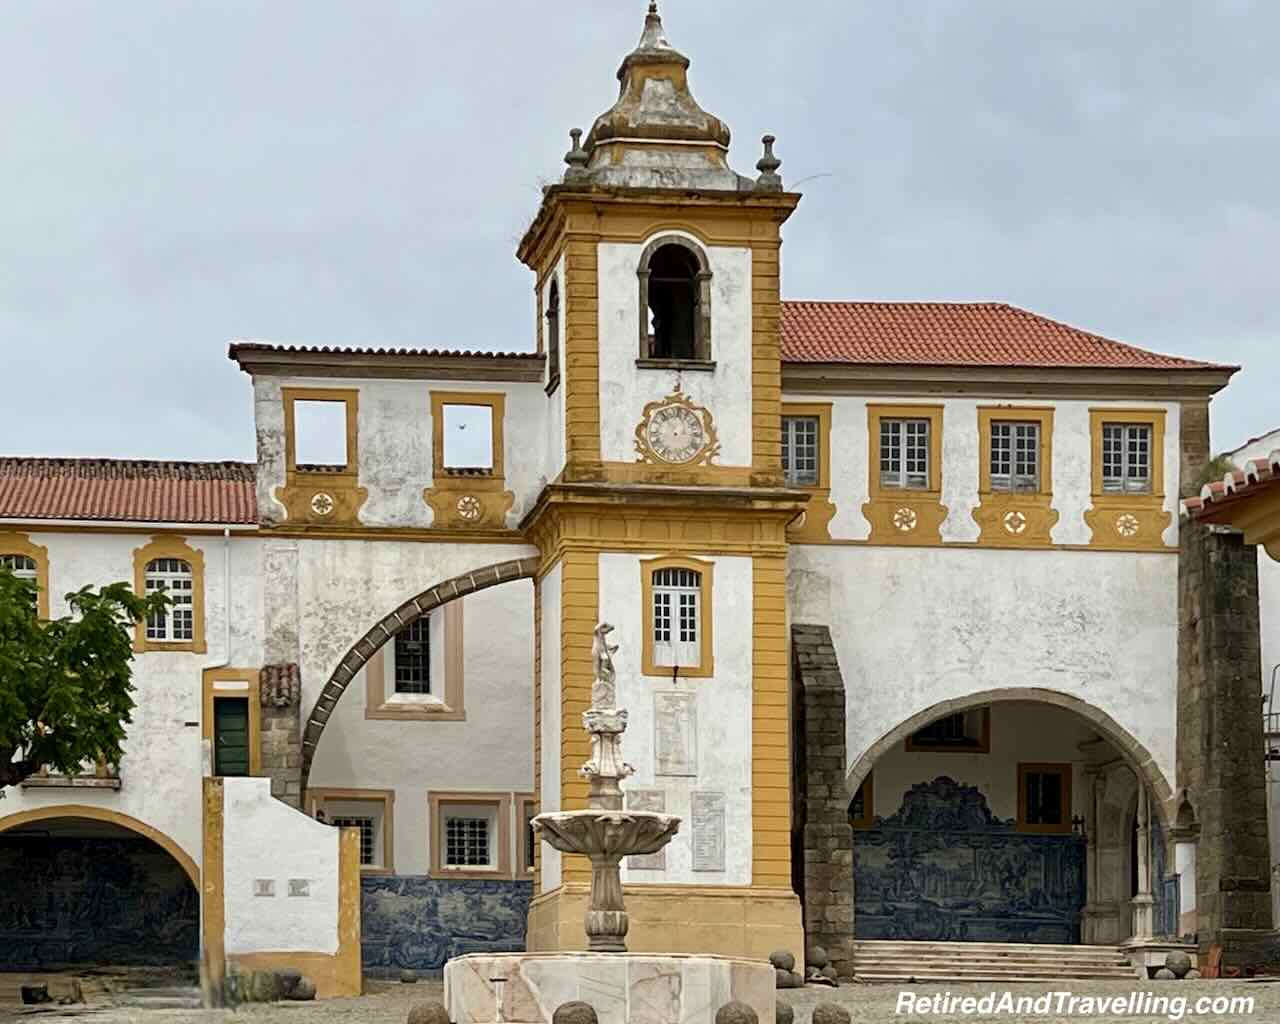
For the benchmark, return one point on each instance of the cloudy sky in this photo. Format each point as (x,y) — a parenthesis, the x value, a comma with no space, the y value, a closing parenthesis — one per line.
(179,174)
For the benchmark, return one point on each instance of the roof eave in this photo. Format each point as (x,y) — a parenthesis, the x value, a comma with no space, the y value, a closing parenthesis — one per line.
(266,361)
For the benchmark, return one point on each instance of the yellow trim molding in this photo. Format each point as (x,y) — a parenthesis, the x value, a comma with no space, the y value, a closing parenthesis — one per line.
(331,496)
(439,802)
(770,725)
(20,544)
(171,547)
(814,526)
(250,677)
(1125,521)
(706,658)
(1063,771)
(900,515)
(450,708)
(317,797)
(1020,520)
(469,499)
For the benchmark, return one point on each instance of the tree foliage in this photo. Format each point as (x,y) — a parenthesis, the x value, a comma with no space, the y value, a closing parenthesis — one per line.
(65,684)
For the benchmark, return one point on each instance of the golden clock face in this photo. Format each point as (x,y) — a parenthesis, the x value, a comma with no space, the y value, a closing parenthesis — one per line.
(675,433)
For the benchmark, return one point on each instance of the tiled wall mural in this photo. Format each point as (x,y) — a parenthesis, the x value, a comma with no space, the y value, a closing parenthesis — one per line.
(68,902)
(943,867)
(419,923)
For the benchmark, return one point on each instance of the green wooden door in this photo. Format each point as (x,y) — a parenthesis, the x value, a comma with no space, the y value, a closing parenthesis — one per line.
(230,736)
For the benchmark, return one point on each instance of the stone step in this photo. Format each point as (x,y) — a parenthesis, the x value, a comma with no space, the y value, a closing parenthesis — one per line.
(894,960)
(961,947)
(994,961)
(1021,978)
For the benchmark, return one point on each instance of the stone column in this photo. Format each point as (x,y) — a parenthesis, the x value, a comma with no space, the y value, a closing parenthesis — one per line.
(1220,745)
(1143,903)
(280,687)
(823,836)
(1093,822)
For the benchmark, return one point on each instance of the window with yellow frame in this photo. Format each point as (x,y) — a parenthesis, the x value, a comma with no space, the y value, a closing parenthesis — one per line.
(1127,479)
(806,465)
(27,561)
(322,456)
(676,602)
(172,566)
(905,474)
(468,460)
(1015,476)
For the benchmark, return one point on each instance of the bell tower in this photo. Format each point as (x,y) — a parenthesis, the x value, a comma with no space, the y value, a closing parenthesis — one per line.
(664,513)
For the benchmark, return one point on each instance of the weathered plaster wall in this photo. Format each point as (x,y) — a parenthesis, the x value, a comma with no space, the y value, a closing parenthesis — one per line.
(300,851)
(916,626)
(624,389)
(551,584)
(492,751)
(1072,458)
(723,715)
(161,769)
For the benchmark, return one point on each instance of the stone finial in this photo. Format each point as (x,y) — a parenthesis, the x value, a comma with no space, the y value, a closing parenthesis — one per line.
(576,158)
(736,1013)
(575,1012)
(769,180)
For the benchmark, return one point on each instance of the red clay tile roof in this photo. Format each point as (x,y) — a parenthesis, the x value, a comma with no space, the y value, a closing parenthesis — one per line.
(953,334)
(1257,475)
(126,491)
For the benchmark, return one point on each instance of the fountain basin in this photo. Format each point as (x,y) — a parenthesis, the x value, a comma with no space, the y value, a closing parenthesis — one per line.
(624,988)
(608,834)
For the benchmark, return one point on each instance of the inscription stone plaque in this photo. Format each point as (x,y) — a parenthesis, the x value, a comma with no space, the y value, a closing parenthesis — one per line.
(675,724)
(648,800)
(708,831)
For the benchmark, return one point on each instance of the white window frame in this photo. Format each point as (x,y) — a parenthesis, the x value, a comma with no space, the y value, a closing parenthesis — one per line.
(24,567)
(904,446)
(801,456)
(175,577)
(677,617)
(1015,456)
(1134,439)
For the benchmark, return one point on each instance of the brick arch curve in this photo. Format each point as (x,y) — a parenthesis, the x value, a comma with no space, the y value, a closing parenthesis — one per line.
(1135,754)
(363,649)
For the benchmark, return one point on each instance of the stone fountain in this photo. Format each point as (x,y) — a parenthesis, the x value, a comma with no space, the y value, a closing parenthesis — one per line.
(624,988)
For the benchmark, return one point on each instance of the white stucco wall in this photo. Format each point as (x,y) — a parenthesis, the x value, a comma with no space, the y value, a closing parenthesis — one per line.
(1072,459)
(492,751)
(299,849)
(552,585)
(625,389)
(723,714)
(916,626)
(161,769)
(553,450)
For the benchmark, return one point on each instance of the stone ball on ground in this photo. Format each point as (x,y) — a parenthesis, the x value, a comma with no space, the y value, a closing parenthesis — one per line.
(784,1014)
(829,972)
(797,979)
(304,991)
(1164,974)
(263,987)
(736,1013)
(831,1013)
(817,956)
(782,960)
(287,979)
(408,977)
(428,1013)
(573,1012)
(1191,975)
(782,979)
(1178,962)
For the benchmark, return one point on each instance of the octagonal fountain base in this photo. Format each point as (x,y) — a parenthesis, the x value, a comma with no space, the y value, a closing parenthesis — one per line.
(624,988)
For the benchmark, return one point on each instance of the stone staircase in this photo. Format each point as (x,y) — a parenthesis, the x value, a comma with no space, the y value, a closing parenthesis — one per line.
(986,961)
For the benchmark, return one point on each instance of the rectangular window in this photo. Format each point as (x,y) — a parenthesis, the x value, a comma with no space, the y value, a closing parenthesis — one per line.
(1015,457)
(231,736)
(904,454)
(468,438)
(861,807)
(413,657)
(320,436)
(372,811)
(800,450)
(368,831)
(1044,797)
(1126,458)
(530,838)
(472,834)
(468,840)
(677,594)
(964,731)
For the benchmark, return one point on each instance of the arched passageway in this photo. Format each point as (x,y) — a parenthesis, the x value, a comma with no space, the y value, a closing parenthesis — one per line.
(85,886)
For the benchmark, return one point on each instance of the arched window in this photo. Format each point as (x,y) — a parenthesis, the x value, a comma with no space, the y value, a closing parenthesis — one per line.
(177,622)
(675,302)
(553,336)
(23,567)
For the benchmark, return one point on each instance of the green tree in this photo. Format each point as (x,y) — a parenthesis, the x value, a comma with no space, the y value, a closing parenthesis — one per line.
(65,684)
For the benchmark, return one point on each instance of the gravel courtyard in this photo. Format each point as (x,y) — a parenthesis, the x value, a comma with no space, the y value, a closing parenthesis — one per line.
(388,1003)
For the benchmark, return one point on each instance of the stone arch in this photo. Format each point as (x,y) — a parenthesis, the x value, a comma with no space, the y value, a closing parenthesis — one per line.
(702,314)
(363,649)
(103,814)
(1137,756)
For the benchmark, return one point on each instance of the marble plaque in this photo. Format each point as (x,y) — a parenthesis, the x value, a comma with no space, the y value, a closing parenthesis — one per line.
(648,800)
(675,726)
(708,831)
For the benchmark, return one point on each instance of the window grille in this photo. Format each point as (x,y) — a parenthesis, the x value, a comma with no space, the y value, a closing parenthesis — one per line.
(800,450)
(467,842)
(1126,458)
(366,826)
(413,657)
(20,565)
(1015,457)
(172,576)
(904,454)
(1044,798)
(677,596)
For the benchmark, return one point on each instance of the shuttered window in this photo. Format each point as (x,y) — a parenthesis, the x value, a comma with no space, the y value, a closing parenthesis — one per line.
(231,736)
